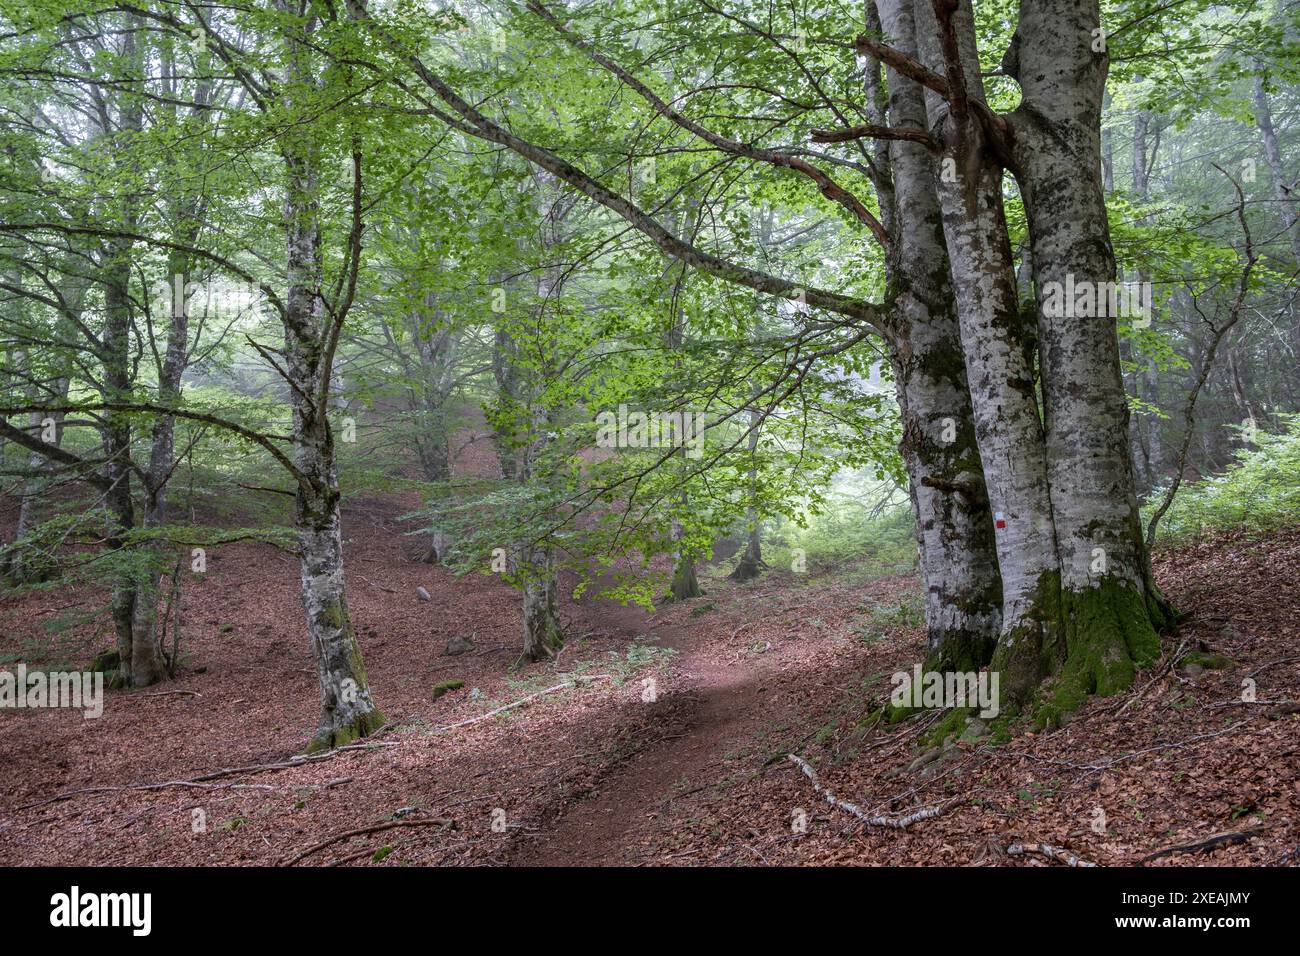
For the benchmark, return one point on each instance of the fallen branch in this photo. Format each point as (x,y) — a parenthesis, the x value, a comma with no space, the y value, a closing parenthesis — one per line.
(1263,667)
(522,701)
(1049,851)
(1227,838)
(897,823)
(362,831)
(1107,764)
(1165,668)
(207,777)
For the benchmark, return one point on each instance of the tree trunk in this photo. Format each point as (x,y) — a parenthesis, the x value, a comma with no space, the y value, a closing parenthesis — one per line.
(1008,429)
(347,710)
(751,559)
(169,393)
(1112,608)
(954,525)
(1282,190)
(506,376)
(135,593)
(543,636)
(685,584)
(435,460)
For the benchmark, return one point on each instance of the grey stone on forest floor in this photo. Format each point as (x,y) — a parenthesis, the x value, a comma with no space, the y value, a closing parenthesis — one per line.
(458,645)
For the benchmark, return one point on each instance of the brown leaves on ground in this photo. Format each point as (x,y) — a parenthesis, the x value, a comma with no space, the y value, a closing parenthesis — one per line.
(677,758)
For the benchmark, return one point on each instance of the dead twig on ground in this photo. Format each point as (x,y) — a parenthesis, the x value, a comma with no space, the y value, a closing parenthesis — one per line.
(208,777)
(523,700)
(1226,838)
(1049,851)
(362,831)
(896,823)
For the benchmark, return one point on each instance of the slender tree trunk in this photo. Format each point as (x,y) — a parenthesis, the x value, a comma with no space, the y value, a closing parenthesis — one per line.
(435,459)
(543,636)
(685,583)
(1283,189)
(1142,426)
(436,344)
(135,592)
(751,563)
(134,595)
(347,710)
(163,446)
(503,370)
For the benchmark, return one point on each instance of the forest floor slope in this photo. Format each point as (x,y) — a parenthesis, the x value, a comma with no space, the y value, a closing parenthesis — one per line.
(666,743)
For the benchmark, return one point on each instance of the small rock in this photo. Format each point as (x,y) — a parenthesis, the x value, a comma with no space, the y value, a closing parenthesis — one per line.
(422,594)
(458,645)
(928,757)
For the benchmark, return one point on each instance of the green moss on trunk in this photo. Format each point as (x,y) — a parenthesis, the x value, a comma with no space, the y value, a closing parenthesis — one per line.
(1030,651)
(685,584)
(361,726)
(961,650)
(1110,633)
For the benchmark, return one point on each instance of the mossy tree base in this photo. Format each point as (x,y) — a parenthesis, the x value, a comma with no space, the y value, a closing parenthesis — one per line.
(543,647)
(543,637)
(1032,649)
(962,651)
(685,584)
(1111,631)
(331,738)
(748,569)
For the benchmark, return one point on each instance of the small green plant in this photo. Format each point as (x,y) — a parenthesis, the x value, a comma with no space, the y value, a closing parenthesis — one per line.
(904,615)
(1260,492)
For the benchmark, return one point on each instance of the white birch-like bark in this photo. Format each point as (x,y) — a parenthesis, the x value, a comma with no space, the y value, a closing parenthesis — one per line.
(1008,428)
(959,566)
(347,709)
(1112,606)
